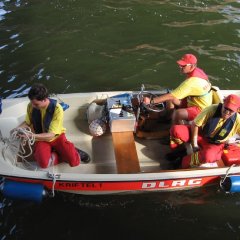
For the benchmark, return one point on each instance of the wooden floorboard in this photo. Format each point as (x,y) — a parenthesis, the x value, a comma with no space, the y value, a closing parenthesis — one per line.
(125,152)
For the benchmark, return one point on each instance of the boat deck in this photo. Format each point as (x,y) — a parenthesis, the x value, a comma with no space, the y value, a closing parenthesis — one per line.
(104,160)
(150,153)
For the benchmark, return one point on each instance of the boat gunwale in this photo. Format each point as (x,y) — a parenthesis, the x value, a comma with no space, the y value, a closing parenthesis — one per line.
(161,175)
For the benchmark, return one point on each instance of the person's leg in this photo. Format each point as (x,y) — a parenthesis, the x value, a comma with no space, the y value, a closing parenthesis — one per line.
(179,116)
(185,114)
(43,154)
(179,134)
(210,153)
(66,150)
(170,108)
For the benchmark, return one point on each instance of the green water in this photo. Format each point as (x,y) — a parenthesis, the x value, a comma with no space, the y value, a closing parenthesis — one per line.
(81,46)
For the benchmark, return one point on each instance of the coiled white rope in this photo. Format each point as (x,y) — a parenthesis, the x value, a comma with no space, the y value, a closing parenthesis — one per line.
(20,140)
(27,139)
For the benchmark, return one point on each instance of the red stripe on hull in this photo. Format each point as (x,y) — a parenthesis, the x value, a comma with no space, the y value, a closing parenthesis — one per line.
(115,186)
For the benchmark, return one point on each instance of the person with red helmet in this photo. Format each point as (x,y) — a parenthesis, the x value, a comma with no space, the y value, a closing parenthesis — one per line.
(209,132)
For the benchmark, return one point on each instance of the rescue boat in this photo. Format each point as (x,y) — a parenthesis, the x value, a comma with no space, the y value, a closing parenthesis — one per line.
(125,141)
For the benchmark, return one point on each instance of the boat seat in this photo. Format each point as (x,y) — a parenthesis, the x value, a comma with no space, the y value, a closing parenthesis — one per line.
(125,152)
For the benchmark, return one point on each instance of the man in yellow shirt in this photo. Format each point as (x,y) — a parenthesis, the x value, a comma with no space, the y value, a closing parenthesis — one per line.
(45,117)
(210,130)
(191,96)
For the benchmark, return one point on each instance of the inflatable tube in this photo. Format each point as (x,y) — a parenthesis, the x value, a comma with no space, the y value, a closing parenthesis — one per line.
(231,184)
(23,191)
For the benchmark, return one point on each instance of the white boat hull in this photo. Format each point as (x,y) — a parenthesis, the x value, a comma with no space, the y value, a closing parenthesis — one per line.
(101,175)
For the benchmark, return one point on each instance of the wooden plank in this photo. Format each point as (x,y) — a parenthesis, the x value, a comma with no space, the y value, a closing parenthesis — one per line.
(125,152)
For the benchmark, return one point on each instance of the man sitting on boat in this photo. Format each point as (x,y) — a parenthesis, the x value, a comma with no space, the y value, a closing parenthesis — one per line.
(215,125)
(45,117)
(191,96)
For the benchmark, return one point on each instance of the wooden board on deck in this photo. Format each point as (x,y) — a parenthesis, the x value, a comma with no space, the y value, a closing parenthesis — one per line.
(125,152)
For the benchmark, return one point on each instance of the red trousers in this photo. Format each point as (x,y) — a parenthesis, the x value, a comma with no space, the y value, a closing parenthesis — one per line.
(59,150)
(192,111)
(209,152)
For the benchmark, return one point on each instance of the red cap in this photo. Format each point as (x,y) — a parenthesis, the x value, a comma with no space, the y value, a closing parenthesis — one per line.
(232,102)
(187,59)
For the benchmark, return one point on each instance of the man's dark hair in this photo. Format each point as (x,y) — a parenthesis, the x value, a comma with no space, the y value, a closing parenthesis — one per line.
(38,91)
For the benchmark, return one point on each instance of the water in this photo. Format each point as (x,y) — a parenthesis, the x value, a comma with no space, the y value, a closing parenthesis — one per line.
(83,46)
(114,45)
(202,214)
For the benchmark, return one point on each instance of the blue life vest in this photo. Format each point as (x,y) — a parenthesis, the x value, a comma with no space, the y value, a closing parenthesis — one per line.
(212,124)
(37,119)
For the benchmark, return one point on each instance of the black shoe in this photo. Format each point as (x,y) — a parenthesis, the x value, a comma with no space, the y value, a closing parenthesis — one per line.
(165,140)
(175,164)
(84,157)
(175,157)
(178,152)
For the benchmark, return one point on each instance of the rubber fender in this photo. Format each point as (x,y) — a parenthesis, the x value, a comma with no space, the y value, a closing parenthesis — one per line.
(23,191)
(231,184)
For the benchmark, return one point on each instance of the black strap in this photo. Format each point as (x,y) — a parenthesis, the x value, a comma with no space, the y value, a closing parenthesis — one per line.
(37,120)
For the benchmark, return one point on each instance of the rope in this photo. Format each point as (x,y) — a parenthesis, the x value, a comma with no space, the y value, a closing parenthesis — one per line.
(52,175)
(227,173)
(54,179)
(27,139)
(20,139)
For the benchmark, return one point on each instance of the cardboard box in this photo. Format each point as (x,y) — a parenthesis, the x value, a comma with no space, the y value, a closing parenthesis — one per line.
(121,120)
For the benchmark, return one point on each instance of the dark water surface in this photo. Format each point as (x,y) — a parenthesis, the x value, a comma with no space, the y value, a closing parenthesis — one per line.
(102,45)
(197,214)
